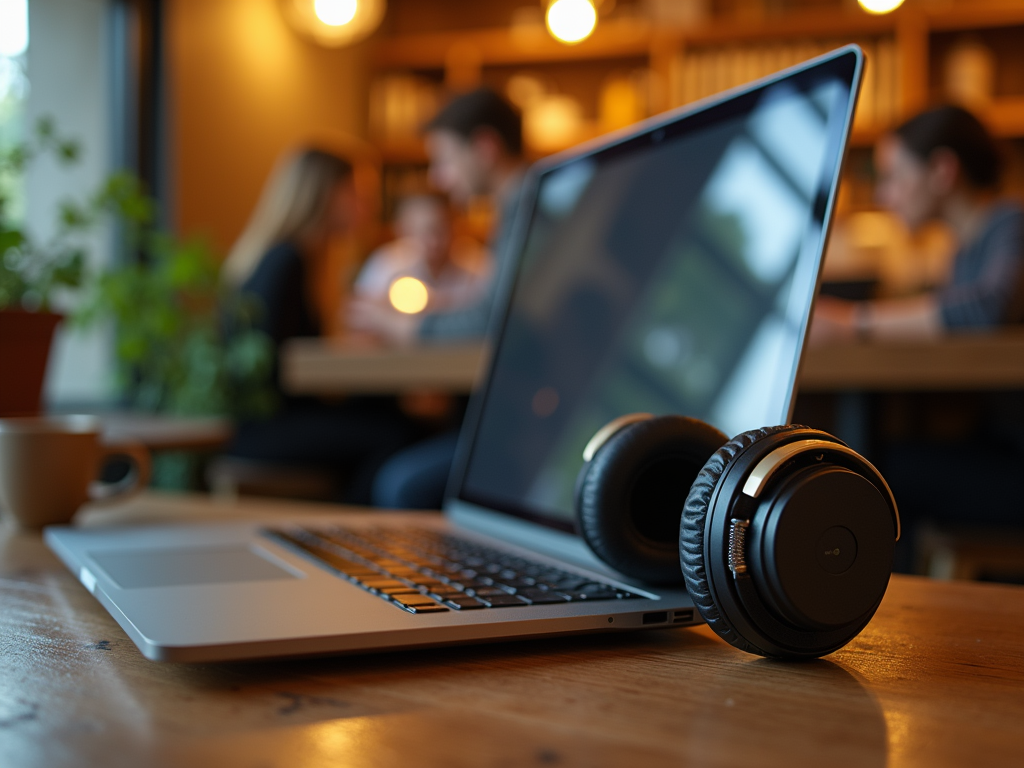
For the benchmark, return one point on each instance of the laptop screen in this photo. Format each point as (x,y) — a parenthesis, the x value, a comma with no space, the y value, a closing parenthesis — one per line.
(669,272)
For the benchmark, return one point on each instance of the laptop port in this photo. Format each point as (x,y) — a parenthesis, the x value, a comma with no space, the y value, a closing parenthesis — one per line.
(682,617)
(656,617)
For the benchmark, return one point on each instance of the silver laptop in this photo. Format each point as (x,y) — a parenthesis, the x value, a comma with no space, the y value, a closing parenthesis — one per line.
(670,269)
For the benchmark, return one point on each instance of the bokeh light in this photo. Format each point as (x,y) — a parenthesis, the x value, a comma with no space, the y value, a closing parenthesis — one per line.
(571,21)
(408,295)
(13,27)
(880,6)
(335,13)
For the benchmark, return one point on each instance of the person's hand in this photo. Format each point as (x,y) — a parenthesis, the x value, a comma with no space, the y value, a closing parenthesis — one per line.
(379,319)
(833,320)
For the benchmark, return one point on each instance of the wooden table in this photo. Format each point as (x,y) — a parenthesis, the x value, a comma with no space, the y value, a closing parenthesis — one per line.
(332,367)
(962,362)
(967,361)
(937,679)
(167,433)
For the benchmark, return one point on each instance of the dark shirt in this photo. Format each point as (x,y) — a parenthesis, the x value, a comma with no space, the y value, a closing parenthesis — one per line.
(471,323)
(278,284)
(987,285)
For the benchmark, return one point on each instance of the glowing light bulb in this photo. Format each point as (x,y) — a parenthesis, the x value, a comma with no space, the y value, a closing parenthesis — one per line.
(880,6)
(335,13)
(408,295)
(571,21)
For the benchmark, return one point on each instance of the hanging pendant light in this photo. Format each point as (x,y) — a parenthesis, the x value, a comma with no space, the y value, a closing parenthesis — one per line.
(571,21)
(880,6)
(334,23)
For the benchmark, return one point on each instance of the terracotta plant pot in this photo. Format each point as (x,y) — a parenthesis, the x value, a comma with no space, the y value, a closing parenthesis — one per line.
(24,349)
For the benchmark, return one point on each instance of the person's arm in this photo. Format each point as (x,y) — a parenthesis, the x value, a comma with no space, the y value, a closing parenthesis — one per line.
(838,320)
(983,302)
(916,317)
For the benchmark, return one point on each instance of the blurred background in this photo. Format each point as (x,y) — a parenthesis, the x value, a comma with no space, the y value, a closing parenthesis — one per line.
(199,98)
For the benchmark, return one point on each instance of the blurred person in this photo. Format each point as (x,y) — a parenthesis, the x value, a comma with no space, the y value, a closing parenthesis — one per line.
(309,199)
(475,149)
(957,459)
(425,250)
(942,165)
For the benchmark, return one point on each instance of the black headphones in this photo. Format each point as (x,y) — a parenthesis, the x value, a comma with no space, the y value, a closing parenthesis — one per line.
(786,538)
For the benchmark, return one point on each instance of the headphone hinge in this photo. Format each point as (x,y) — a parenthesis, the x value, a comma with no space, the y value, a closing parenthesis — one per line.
(738,528)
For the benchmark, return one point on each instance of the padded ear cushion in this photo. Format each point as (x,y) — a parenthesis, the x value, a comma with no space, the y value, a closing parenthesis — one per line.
(691,532)
(631,494)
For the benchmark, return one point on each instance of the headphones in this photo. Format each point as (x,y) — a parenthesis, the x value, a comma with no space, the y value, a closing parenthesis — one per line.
(786,537)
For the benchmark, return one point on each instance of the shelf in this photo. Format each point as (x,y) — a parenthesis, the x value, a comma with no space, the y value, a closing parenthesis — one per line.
(1005,117)
(976,17)
(503,45)
(625,38)
(616,38)
(410,152)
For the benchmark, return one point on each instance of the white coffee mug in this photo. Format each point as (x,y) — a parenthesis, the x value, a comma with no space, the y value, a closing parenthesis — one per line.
(49,468)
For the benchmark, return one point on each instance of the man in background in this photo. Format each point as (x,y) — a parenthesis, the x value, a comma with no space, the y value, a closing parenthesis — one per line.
(475,150)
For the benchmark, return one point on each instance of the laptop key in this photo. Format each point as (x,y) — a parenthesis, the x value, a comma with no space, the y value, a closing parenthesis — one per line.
(485,591)
(537,597)
(464,603)
(546,599)
(417,599)
(500,601)
(382,583)
(432,608)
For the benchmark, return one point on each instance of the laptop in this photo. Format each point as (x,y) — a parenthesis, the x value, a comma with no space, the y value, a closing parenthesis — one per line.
(667,269)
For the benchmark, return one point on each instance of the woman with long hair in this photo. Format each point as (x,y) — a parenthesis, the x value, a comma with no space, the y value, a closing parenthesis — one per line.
(309,199)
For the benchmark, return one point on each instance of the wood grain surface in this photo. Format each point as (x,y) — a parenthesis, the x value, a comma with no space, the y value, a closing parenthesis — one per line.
(937,679)
(960,362)
(333,367)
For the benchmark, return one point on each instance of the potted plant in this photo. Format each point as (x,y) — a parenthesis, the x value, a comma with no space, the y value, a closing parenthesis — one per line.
(30,274)
(184,344)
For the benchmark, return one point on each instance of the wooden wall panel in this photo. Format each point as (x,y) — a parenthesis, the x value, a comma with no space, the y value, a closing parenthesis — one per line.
(244,88)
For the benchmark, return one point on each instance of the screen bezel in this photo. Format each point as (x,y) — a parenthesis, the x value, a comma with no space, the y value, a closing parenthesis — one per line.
(845,64)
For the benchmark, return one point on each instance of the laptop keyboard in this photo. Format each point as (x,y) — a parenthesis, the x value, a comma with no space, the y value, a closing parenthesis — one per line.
(422,571)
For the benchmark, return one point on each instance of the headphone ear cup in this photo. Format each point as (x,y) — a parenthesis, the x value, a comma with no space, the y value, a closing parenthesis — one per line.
(630,496)
(692,527)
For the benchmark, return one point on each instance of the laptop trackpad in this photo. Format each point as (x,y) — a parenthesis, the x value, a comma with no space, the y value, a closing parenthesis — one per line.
(176,567)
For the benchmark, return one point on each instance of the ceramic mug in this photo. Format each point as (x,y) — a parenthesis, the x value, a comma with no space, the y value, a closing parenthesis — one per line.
(49,468)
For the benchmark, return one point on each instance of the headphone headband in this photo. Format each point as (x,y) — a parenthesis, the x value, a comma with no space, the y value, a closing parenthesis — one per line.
(770,464)
(604,434)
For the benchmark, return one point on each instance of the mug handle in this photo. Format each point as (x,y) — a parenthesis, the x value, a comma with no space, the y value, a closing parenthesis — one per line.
(131,485)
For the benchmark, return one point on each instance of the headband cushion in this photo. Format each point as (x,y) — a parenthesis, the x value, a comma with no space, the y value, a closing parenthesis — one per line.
(631,494)
(692,526)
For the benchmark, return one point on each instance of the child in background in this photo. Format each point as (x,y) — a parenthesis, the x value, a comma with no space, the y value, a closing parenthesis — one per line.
(454,278)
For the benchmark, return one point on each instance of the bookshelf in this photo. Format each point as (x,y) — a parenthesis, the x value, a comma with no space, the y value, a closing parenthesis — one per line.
(904,50)
(632,68)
